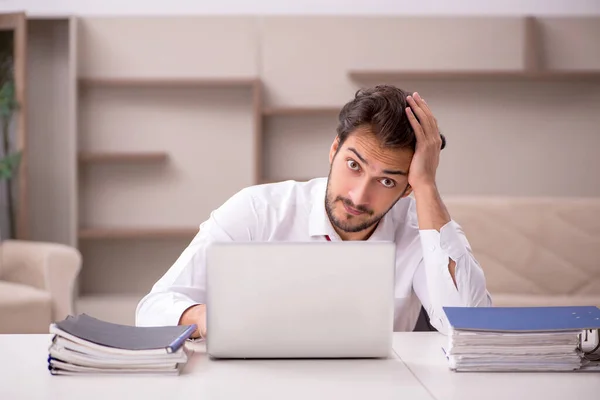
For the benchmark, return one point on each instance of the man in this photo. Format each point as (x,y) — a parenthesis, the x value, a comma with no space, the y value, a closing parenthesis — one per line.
(387,146)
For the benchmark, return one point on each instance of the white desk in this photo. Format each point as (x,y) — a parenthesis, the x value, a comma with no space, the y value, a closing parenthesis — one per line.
(24,375)
(421,353)
(417,371)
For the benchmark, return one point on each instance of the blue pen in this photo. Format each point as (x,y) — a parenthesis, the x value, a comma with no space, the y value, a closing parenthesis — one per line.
(178,342)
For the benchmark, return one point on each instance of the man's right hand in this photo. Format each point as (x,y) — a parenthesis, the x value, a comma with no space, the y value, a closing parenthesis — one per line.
(195,315)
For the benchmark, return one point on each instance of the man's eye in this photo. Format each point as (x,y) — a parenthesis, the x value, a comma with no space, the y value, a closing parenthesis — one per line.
(353,165)
(388,183)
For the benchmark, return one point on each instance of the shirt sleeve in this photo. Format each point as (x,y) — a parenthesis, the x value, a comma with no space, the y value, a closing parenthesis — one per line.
(433,283)
(184,284)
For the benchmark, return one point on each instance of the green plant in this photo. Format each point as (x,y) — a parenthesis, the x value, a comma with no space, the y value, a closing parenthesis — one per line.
(8,104)
(9,163)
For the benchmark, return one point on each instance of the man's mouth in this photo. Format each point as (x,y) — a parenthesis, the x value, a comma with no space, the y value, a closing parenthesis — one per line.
(350,210)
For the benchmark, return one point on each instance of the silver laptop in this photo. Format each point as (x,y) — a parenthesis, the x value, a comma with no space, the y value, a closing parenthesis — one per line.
(300,300)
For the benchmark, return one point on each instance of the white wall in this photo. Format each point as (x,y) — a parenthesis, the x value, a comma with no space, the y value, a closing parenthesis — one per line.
(163,7)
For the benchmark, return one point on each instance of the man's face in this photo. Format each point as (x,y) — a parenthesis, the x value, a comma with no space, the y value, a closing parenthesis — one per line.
(365,181)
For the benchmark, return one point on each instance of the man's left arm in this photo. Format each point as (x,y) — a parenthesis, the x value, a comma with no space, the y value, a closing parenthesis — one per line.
(433,216)
(453,275)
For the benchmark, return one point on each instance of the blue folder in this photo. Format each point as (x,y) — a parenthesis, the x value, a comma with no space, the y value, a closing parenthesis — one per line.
(523,319)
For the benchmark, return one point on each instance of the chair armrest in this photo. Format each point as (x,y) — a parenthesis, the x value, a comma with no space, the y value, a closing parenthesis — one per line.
(47,266)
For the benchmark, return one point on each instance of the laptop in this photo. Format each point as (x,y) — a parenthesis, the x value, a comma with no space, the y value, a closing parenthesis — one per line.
(300,300)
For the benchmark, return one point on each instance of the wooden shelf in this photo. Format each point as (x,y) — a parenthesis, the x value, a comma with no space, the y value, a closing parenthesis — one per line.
(137,233)
(275,180)
(169,82)
(271,111)
(129,158)
(366,75)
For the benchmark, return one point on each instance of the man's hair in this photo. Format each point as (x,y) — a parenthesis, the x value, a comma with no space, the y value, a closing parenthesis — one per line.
(380,109)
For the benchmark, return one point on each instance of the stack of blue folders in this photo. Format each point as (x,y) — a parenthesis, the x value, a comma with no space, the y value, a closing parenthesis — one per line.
(519,338)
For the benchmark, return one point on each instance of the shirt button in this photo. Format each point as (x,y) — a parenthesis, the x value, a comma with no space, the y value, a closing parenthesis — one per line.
(432,248)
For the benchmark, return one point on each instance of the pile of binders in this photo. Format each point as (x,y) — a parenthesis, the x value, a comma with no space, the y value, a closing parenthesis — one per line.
(520,338)
(83,345)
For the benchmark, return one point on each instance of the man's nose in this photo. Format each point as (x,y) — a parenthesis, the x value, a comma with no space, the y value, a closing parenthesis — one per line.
(359,194)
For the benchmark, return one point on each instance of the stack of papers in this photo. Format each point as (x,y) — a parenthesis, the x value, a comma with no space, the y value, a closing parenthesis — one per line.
(85,345)
(486,351)
(518,338)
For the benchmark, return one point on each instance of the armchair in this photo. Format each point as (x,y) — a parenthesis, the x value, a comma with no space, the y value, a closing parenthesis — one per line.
(36,284)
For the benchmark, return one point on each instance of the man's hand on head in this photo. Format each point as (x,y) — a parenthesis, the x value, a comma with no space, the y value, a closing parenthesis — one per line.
(429,144)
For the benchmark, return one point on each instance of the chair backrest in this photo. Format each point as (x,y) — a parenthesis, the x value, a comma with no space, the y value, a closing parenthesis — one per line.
(539,246)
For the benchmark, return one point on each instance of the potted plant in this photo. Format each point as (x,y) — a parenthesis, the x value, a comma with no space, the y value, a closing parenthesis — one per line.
(9,158)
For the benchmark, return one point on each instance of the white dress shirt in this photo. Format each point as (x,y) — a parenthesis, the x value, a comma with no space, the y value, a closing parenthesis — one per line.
(295,211)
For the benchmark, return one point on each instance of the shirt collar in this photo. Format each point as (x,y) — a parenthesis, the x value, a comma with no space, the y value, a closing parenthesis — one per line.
(319,224)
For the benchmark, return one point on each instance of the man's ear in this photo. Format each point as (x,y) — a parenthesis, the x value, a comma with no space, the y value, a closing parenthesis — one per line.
(407,191)
(334,148)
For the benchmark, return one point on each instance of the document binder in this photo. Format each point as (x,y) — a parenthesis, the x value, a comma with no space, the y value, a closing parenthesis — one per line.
(520,338)
(524,319)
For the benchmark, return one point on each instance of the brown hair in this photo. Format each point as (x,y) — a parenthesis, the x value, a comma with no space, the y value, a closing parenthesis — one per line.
(382,110)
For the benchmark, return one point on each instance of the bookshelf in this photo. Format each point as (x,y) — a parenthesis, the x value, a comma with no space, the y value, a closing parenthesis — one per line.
(294,178)
(397,76)
(296,143)
(539,49)
(136,233)
(122,157)
(281,125)
(151,134)
(300,110)
(168,82)
(114,121)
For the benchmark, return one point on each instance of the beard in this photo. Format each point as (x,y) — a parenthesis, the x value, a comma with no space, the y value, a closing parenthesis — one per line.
(348,226)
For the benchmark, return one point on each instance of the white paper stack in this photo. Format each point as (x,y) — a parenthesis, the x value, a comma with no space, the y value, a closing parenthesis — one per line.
(518,338)
(492,351)
(85,345)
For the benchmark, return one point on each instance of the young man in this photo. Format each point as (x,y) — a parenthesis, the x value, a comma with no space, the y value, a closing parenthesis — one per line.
(387,146)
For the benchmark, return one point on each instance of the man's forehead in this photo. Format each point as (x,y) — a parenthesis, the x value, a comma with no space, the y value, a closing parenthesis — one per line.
(368,147)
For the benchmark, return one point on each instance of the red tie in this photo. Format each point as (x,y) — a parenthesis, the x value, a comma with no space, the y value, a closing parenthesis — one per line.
(328,238)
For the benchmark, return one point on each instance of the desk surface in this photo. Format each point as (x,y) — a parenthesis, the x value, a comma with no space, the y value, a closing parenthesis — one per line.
(417,370)
(421,353)
(24,375)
